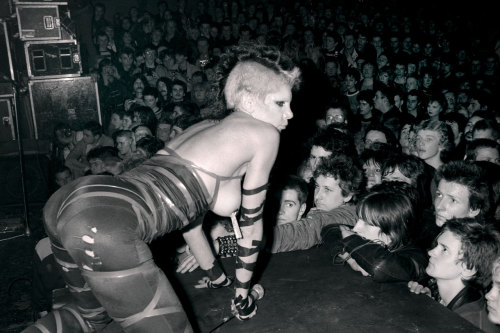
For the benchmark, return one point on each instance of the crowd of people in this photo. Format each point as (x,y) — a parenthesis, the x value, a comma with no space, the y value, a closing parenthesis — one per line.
(392,162)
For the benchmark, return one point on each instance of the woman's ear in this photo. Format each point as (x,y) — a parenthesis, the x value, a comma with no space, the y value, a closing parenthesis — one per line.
(247,102)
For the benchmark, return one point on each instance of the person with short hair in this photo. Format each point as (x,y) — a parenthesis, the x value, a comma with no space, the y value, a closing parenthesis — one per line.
(62,176)
(97,157)
(124,142)
(460,265)
(486,129)
(293,200)
(483,150)
(433,141)
(462,190)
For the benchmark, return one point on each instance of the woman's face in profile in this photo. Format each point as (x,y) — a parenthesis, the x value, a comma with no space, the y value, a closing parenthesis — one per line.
(275,109)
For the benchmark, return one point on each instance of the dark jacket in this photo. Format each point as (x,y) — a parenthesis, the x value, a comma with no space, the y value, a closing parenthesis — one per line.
(384,265)
(470,304)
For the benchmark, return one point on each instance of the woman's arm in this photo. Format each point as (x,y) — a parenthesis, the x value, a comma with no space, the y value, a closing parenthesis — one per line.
(252,206)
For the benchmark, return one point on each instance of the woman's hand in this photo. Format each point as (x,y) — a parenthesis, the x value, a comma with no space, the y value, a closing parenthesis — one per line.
(417,288)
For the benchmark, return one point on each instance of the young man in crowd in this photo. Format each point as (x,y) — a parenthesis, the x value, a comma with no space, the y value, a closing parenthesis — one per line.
(293,200)
(337,183)
(460,267)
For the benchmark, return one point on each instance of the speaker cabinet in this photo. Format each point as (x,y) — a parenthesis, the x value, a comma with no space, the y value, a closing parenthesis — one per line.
(71,100)
(36,174)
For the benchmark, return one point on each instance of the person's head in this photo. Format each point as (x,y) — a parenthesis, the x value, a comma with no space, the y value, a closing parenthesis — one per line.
(96,157)
(62,176)
(126,57)
(337,182)
(413,100)
(403,168)
(293,200)
(178,90)
(141,131)
(351,78)
(465,251)
(434,137)
(385,215)
(200,93)
(493,296)
(331,67)
(127,120)
(478,100)
(376,133)
(372,162)
(102,40)
(457,123)
(483,150)
(473,119)
(365,101)
(139,83)
(245,92)
(148,145)
(92,132)
(486,129)
(63,134)
(330,142)
(336,113)
(436,104)
(124,142)
(407,136)
(150,97)
(412,83)
(384,98)
(462,191)
(163,86)
(427,75)
(144,115)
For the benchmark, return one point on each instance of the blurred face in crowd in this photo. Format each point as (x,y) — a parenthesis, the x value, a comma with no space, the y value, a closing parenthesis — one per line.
(428,145)
(335,116)
(331,69)
(124,145)
(177,93)
(488,154)
(374,136)
(315,156)
(63,178)
(89,138)
(493,296)
(97,166)
(373,173)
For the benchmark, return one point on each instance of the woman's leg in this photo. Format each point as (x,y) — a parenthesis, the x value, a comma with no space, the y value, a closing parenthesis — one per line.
(100,232)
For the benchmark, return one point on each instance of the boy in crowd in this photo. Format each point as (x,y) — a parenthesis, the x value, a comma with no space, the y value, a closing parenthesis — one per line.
(462,191)
(460,266)
(337,183)
(293,200)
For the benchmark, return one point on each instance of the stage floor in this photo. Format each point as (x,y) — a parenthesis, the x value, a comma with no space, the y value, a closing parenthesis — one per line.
(304,292)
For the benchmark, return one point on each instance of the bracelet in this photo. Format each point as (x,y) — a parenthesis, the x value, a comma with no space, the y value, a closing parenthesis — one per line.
(228,246)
